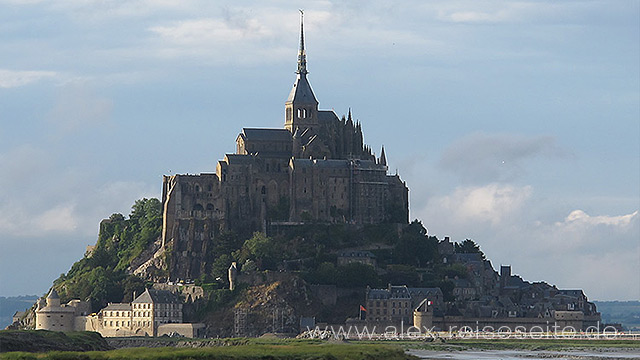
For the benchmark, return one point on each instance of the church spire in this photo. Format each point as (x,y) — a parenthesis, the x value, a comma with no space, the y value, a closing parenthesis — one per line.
(383,157)
(302,55)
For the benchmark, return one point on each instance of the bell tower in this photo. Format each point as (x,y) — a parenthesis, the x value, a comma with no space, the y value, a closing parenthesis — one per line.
(301,107)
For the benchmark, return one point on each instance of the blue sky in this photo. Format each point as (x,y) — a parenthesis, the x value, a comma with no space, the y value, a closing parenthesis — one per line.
(514,123)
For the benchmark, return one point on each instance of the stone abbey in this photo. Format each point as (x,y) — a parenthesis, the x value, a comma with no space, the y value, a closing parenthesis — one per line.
(317,168)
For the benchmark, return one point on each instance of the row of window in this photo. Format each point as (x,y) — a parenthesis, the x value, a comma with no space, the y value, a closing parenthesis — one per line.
(141,306)
(117,313)
(393,303)
(140,313)
(393,312)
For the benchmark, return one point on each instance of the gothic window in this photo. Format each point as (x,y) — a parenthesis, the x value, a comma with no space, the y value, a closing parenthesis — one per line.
(264,190)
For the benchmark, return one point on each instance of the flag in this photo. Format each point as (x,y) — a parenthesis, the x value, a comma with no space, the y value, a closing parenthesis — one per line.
(362,308)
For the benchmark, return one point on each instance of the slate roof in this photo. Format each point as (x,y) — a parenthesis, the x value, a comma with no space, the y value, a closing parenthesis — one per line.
(117,307)
(53,294)
(400,292)
(238,158)
(378,294)
(301,92)
(157,297)
(255,134)
(327,115)
(417,292)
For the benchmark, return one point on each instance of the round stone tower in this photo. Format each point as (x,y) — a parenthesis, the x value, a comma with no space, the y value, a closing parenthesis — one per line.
(423,315)
(55,316)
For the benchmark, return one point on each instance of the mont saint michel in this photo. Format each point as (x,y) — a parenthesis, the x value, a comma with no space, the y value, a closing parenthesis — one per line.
(301,227)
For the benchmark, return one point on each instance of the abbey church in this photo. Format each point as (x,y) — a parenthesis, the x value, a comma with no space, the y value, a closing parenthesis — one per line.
(315,169)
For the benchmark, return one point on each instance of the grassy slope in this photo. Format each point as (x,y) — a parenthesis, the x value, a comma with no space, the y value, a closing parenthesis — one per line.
(44,340)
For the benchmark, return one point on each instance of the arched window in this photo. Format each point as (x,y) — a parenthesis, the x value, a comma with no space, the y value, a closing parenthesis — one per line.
(198,207)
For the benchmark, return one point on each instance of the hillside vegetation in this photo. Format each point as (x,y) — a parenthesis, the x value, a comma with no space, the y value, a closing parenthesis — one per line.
(103,276)
(405,254)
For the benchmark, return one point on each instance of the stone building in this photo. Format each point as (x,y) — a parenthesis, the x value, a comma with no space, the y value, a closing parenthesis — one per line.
(396,304)
(144,316)
(51,315)
(316,168)
(153,313)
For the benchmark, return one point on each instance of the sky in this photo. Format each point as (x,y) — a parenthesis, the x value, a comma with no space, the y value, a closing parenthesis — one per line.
(514,123)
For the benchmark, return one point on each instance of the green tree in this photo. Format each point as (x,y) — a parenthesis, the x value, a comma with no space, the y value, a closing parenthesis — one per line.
(469,247)
(102,277)
(415,247)
(356,275)
(262,249)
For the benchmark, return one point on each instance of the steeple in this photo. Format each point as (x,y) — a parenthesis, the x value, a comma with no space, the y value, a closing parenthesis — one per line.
(302,55)
(301,107)
(383,157)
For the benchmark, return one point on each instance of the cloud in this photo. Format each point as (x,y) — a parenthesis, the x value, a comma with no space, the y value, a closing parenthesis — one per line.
(481,158)
(572,249)
(60,218)
(78,106)
(489,204)
(190,32)
(580,218)
(475,12)
(13,78)
(580,233)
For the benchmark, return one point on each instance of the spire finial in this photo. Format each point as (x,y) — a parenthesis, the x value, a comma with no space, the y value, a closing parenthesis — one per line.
(302,56)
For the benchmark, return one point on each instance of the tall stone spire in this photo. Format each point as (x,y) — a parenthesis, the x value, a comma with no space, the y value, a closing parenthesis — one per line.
(302,56)
(301,107)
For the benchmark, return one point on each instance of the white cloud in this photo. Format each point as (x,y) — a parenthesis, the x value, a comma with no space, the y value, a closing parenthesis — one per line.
(15,78)
(489,204)
(61,218)
(22,221)
(190,32)
(598,253)
(579,217)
